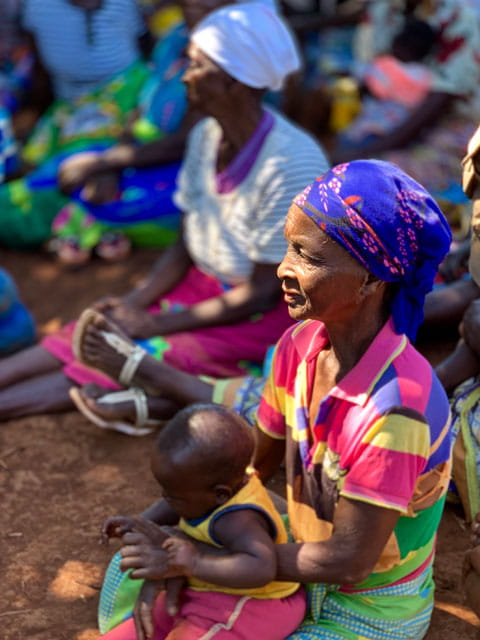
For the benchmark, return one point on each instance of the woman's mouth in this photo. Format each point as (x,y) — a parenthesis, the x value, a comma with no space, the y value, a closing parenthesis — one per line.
(291,297)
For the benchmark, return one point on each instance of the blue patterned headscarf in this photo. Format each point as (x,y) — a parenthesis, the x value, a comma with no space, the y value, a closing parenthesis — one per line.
(389,223)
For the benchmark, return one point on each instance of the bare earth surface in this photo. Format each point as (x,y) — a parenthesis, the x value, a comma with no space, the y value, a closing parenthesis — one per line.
(60,477)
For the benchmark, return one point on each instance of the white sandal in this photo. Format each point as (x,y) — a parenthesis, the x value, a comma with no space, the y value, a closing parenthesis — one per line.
(142,426)
(132,352)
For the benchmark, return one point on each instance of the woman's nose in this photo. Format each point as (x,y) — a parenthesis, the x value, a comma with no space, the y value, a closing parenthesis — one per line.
(283,270)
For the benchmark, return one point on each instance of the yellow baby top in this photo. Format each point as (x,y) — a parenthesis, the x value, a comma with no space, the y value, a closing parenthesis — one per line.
(252,496)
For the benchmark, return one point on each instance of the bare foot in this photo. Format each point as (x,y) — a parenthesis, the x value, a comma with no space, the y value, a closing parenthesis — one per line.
(155,377)
(98,352)
(158,408)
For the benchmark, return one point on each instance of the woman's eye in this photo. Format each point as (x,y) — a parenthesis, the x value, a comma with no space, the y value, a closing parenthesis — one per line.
(311,259)
(305,255)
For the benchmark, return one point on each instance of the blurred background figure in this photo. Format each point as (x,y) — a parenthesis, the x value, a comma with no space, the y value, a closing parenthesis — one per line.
(17,328)
(460,371)
(430,143)
(16,65)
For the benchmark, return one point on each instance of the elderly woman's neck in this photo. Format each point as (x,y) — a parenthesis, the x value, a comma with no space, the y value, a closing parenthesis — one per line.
(349,341)
(239,122)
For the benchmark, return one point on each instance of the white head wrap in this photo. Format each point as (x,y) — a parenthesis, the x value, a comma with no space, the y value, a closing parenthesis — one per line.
(250,42)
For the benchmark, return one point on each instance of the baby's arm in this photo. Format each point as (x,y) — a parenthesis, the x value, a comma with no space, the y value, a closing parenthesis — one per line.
(160,513)
(248,558)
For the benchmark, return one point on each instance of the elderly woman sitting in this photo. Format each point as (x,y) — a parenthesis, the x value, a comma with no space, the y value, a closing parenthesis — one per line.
(212,303)
(356,412)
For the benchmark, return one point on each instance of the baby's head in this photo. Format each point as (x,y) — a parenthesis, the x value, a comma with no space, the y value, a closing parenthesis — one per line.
(200,458)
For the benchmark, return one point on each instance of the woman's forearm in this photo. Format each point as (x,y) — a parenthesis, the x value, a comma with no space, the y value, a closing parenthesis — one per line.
(167,149)
(165,274)
(360,532)
(309,562)
(460,365)
(261,293)
(231,307)
(125,155)
(423,117)
(313,562)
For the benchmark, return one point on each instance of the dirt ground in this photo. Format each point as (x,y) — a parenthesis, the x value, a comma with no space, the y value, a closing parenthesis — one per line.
(60,477)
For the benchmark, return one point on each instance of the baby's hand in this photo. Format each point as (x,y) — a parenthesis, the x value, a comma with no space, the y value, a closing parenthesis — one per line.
(146,559)
(115,527)
(182,555)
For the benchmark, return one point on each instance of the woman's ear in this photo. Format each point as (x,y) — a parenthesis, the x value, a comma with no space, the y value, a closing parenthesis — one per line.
(371,284)
(223,493)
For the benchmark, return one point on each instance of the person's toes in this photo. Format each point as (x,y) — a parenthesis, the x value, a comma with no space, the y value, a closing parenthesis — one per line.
(116,411)
(92,391)
(105,323)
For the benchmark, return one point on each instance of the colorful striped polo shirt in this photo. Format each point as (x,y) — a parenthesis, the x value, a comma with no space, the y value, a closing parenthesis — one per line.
(382,436)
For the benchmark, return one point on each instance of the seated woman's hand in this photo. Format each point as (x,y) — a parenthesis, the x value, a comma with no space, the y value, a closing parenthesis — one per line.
(101,188)
(145,557)
(75,171)
(135,322)
(106,303)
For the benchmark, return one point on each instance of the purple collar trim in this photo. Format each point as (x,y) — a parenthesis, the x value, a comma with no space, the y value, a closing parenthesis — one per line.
(239,167)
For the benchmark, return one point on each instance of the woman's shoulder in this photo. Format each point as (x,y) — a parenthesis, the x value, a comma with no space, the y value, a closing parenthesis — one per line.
(290,137)
(416,386)
(290,155)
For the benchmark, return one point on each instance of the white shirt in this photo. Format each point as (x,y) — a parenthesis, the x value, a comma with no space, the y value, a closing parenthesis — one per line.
(226,234)
(79,64)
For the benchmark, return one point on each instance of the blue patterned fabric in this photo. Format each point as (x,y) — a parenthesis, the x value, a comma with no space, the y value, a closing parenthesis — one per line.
(17,328)
(399,612)
(389,223)
(117,597)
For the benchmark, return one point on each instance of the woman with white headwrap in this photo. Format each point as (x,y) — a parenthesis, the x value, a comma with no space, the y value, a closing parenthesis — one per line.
(212,303)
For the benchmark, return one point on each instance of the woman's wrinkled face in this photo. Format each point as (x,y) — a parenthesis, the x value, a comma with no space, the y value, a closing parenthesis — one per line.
(206,82)
(320,280)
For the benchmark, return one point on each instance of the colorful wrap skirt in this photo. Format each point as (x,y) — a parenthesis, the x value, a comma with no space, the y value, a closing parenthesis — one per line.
(398,612)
